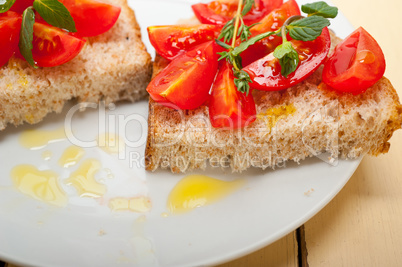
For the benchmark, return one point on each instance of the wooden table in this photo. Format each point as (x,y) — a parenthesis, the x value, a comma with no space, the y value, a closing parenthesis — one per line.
(362,225)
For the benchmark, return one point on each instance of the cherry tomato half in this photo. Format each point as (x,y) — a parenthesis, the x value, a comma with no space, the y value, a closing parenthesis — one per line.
(53,46)
(266,72)
(229,108)
(186,81)
(357,64)
(220,12)
(271,22)
(172,40)
(20,5)
(10,25)
(92,17)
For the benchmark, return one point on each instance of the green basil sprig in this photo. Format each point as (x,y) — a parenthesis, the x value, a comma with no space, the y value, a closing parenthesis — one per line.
(307,29)
(55,13)
(243,31)
(288,58)
(303,29)
(320,9)
(298,27)
(26,36)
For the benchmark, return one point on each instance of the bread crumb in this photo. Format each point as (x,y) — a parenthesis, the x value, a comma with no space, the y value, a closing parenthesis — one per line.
(309,192)
(101,232)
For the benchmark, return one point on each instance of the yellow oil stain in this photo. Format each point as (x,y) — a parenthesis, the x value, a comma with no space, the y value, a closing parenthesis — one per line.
(109,173)
(271,116)
(29,118)
(199,190)
(47,155)
(34,139)
(83,179)
(135,204)
(23,80)
(71,156)
(111,143)
(41,185)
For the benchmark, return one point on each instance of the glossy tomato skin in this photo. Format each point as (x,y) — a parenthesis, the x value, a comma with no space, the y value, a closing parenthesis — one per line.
(171,41)
(218,13)
(229,108)
(10,25)
(275,19)
(356,64)
(266,72)
(271,22)
(92,17)
(20,5)
(53,46)
(186,81)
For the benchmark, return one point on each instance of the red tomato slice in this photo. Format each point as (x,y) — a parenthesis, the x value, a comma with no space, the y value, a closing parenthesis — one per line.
(266,72)
(20,5)
(229,108)
(92,17)
(271,22)
(357,64)
(275,19)
(172,40)
(53,46)
(186,81)
(220,12)
(10,25)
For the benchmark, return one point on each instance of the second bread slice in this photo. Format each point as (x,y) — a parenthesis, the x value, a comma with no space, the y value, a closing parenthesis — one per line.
(112,66)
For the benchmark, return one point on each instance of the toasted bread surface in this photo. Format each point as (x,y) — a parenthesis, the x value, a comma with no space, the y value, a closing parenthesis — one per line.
(112,66)
(293,124)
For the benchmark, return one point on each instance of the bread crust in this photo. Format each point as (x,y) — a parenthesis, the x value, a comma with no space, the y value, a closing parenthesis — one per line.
(293,124)
(111,67)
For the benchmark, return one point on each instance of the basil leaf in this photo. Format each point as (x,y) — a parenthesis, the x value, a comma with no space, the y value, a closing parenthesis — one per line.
(26,36)
(307,29)
(242,80)
(5,5)
(244,45)
(288,58)
(320,9)
(55,13)
(247,7)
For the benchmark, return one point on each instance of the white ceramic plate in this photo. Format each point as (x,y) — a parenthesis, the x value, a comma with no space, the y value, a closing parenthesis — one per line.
(87,233)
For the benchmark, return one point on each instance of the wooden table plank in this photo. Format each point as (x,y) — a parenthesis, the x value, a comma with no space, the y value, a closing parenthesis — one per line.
(282,253)
(362,225)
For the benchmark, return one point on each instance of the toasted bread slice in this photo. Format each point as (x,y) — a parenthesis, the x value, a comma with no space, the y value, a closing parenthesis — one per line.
(112,66)
(292,124)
